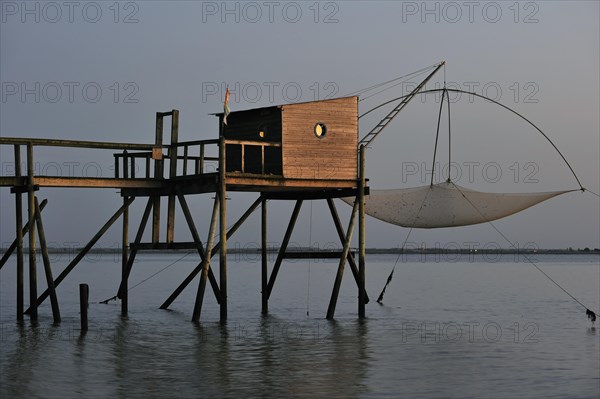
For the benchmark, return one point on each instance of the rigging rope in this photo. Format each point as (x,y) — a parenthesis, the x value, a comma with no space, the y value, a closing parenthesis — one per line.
(591,315)
(389,279)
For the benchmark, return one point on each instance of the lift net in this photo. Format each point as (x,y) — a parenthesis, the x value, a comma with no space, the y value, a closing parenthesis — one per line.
(446,205)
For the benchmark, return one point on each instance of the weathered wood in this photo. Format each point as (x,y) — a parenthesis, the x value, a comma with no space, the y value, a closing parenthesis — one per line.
(283,248)
(314,255)
(311,195)
(18,243)
(125,244)
(340,231)
(333,156)
(362,293)
(46,259)
(223,229)
(340,272)
(172,174)
(74,143)
(158,174)
(216,248)
(122,292)
(84,182)
(192,226)
(15,244)
(82,253)
(206,262)
(84,296)
(32,255)
(264,272)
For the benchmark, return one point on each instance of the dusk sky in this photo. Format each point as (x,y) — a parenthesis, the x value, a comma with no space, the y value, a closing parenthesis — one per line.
(100,70)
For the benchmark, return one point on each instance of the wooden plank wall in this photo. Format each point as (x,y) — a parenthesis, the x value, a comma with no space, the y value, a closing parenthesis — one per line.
(244,125)
(331,157)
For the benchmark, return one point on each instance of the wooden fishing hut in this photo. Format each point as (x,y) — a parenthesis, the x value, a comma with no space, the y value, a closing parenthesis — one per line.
(293,152)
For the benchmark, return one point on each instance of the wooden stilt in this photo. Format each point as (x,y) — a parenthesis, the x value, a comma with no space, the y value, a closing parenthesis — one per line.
(264,257)
(339,228)
(32,255)
(206,262)
(24,230)
(158,174)
(46,259)
(214,251)
(340,271)
(19,239)
(172,174)
(84,296)
(362,294)
(223,229)
(282,249)
(82,253)
(125,244)
(138,238)
(192,226)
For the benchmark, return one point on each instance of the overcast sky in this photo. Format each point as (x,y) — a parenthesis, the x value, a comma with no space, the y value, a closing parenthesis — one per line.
(100,70)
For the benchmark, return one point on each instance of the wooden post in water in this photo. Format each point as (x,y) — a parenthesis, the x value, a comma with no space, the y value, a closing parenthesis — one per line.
(172,174)
(158,174)
(84,296)
(46,259)
(340,271)
(223,228)
(264,258)
(361,235)
(206,262)
(32,255)
(19,215)
(125,245)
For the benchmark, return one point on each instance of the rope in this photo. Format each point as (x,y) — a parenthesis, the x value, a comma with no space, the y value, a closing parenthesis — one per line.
(590,191)
(437,135)
(590,314)
(389,279)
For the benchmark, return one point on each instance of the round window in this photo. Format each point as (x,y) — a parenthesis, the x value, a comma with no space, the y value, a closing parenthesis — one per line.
(320,130)
(262,131)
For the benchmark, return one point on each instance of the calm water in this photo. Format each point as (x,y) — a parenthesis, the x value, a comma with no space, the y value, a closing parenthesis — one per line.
(450,328)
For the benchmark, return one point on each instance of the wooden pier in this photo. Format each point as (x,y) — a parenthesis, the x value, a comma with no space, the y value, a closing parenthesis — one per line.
(296,152)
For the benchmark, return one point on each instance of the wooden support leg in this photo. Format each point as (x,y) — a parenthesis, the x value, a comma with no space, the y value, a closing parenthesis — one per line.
(206,262)
(19,239)
(214,251)
(338,227)
(24,230)
(264,258)
(47,267)
(223,228)
(124,259)
(122,293)
(362,293)
(192,226)
(82,253)
(32,255)
(340,272)
(284,244)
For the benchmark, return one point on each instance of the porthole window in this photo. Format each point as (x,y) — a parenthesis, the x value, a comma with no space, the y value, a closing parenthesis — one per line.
(262,131)
(320,130)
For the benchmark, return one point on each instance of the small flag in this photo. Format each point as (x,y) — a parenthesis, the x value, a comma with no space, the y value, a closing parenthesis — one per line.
(226,110)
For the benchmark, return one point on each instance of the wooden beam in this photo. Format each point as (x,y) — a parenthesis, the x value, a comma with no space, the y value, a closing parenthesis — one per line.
(18,243)
(46,259)
(362,293)
(223,228)
(198,245)
(284,244)
(122,292)
(312,194)
(125,245)
(32,255)
(82,253)
(75,143)
(23,230)
(158,175)
(216,248)
(264,271)
(206,263)
(172,174)
(340,271)
(340,231)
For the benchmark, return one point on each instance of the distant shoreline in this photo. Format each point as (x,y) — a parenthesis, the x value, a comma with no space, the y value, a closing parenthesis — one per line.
(382,251)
